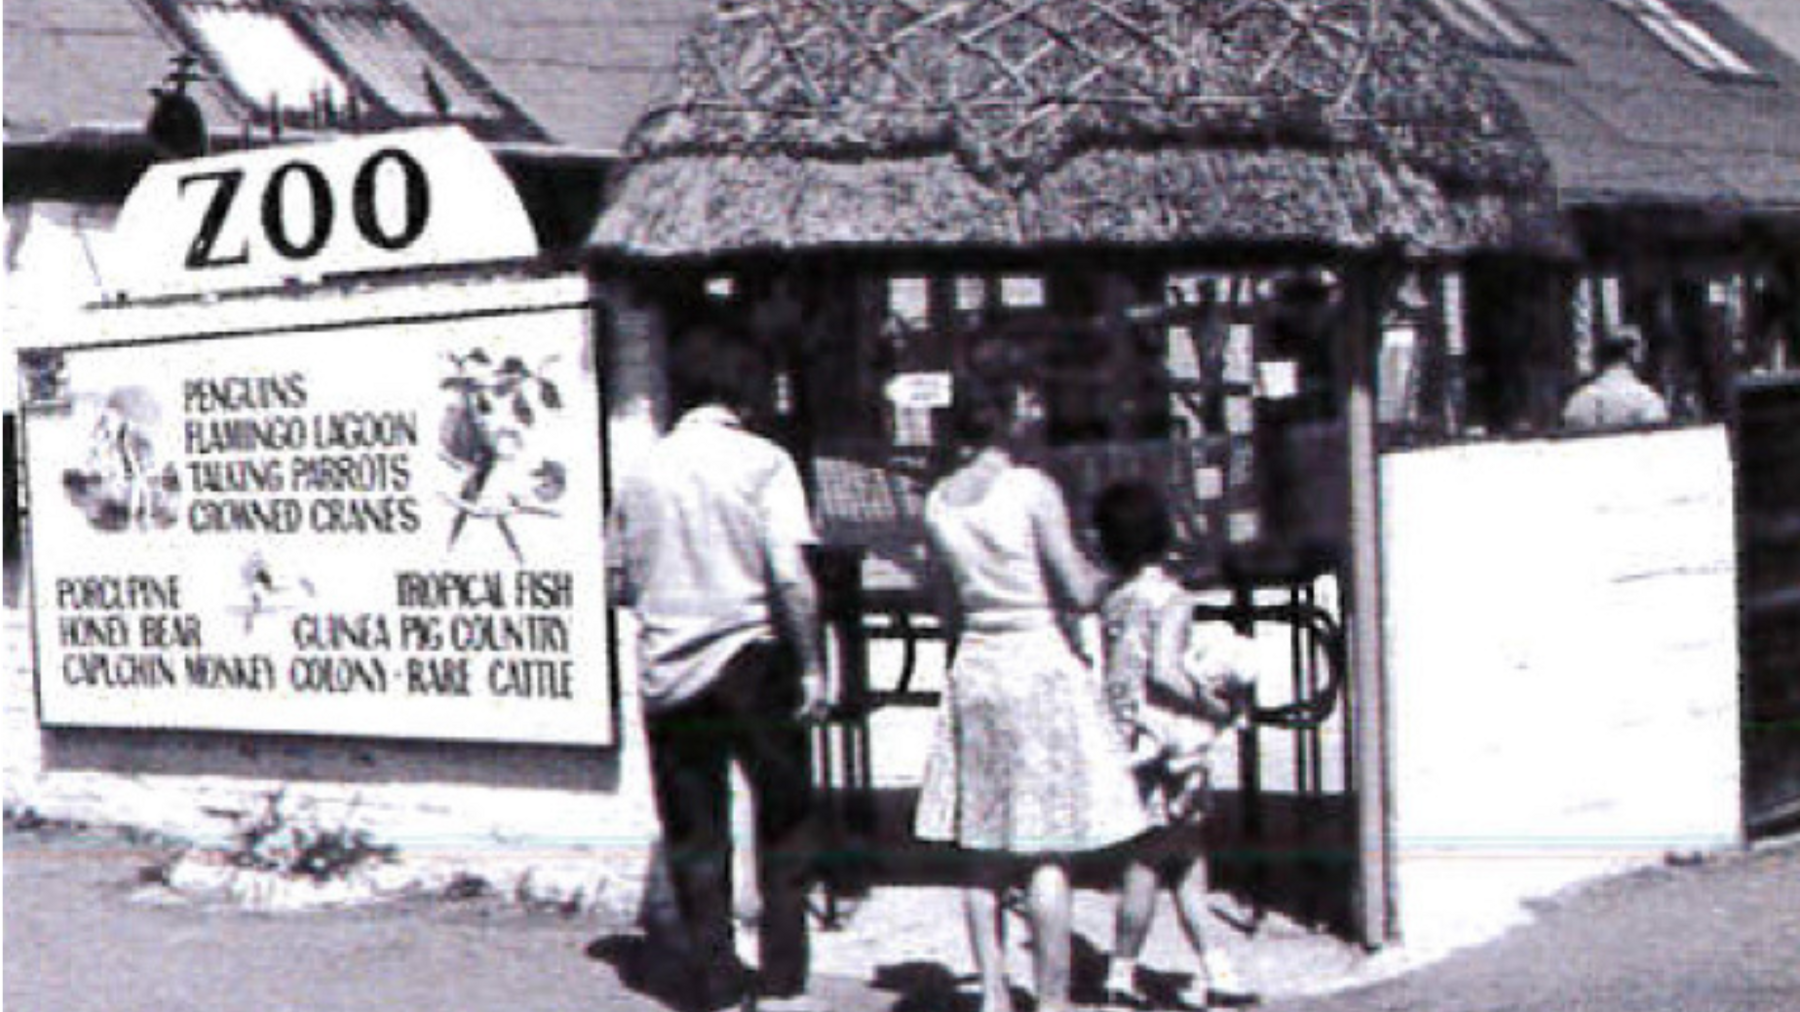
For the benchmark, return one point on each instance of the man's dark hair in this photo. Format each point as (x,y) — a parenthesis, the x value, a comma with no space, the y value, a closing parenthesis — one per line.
(1132,519)
(987,389)
(708,365)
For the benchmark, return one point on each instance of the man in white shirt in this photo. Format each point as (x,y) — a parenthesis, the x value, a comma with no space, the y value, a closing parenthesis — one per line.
(1615,397)
(709,546)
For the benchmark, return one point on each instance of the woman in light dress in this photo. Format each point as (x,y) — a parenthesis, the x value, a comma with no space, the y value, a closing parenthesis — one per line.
(1026,768)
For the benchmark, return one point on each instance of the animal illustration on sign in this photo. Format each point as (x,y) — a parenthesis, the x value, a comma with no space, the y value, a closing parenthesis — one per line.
(486,434)
(120,487)
(268,590)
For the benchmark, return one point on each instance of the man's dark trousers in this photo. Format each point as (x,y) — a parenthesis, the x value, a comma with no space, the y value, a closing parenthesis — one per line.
(748,713)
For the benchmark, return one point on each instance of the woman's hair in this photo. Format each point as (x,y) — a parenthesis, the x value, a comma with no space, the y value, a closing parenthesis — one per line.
(1132,520)
(987,389)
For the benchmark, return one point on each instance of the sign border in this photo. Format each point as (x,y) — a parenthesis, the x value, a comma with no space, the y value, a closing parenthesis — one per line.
(590,305)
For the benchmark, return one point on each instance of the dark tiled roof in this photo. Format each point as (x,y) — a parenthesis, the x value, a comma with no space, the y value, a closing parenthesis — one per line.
(1776,20)
(585,70)
(1626,121)
(1623,121)
(582,70)
(74,64)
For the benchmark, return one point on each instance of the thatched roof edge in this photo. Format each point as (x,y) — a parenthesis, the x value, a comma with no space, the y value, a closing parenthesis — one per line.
(800,124)
(726,204)
(1012,91)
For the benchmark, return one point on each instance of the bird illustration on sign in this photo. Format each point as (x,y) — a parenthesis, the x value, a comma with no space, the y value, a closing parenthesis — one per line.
(121,486)
(487,435)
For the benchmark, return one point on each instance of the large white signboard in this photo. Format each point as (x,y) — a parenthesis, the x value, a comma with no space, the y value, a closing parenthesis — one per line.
(383,529)
(269,216)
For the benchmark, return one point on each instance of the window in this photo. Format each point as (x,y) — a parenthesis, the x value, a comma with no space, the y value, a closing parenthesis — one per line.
(1692,43)
(1492,28)
(395,63)
(372,60)
(264,57)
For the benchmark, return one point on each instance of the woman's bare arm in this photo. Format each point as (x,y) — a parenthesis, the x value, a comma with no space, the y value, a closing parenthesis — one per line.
(941,589)
(1079,582)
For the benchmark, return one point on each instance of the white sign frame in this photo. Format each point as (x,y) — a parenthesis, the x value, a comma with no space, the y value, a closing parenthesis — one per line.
(275,456)
(269,217)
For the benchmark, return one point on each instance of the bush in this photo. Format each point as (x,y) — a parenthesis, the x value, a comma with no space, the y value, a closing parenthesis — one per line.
(273,840)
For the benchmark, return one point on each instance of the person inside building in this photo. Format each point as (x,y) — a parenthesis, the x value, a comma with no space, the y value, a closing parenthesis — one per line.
(710,555)
(1025,771)
(1614,397)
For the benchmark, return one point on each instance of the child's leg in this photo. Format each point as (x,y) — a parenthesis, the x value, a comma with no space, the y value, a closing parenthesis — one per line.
(1137,908)
(1191,889)
(1202,929)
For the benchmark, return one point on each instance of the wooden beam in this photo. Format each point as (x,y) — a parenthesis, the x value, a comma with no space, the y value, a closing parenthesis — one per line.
(1369,287)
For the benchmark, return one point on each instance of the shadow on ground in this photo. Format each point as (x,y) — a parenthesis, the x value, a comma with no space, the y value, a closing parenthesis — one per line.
(644,965)
(1286,855)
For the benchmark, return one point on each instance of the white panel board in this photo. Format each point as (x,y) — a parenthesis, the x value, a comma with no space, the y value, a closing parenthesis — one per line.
(387,528)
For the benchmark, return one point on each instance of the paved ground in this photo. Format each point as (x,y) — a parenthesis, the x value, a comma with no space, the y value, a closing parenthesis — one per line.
(1719,937)
(88,929)
(85,932)
(82,933)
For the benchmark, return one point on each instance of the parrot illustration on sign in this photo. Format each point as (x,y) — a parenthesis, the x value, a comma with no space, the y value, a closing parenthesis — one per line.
(486,434)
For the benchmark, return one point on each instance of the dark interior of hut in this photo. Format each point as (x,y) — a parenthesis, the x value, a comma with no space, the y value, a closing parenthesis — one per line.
(1220,381)
(1183,377)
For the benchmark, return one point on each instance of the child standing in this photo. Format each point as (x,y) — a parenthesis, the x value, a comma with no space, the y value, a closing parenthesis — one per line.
(1173,694)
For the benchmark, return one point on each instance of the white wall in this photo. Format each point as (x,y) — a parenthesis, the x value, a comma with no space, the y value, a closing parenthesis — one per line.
(1562,656)
(57,256)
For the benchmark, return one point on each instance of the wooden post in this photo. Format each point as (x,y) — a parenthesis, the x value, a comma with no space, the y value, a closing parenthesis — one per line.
(1367,287)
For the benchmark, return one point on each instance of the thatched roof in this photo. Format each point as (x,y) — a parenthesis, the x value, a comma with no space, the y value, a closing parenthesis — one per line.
(801,124)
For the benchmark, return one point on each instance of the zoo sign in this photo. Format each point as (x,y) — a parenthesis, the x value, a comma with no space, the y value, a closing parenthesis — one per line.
(368,529)
(416,198)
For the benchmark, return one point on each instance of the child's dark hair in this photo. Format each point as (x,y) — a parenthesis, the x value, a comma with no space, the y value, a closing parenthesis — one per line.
(1132,519)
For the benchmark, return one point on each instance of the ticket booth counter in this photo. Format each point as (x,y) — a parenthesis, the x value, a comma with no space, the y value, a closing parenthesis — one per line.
(1188,378)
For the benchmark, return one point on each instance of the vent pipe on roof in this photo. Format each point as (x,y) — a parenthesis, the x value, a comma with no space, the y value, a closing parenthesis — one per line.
(176,126)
